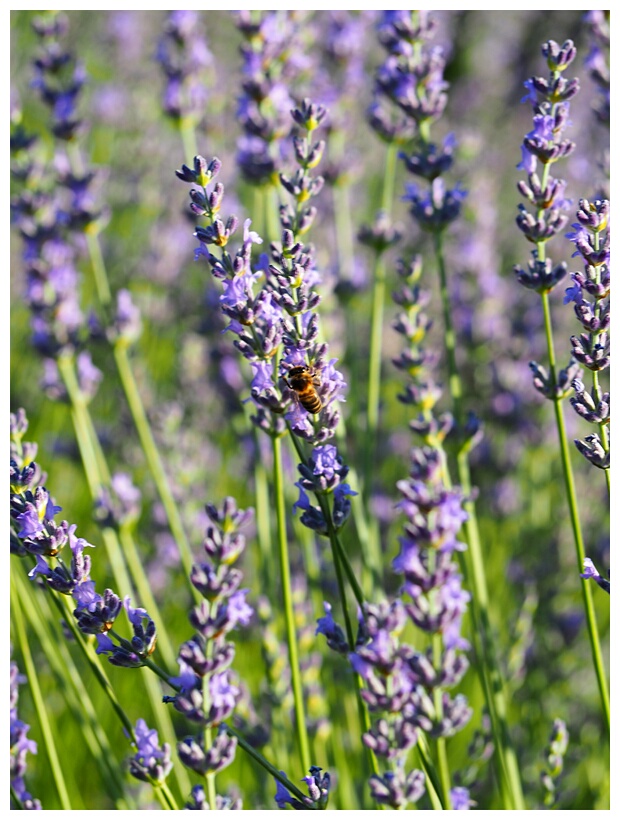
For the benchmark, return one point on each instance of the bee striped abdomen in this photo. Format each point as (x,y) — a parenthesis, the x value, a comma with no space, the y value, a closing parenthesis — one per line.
(302,382)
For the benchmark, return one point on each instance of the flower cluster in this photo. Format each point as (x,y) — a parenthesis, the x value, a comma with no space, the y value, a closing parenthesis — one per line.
(545,144)
(280,317)
(184,57)
(323,475)
(207,694)
(404,686)
(390,692)
(597,61)
(434,517)
(591,348)
(271,58)
(318,791)
(554,754)
(292,276)
(35,531)
(52,280)
(416,359)
(20,746)
(55,202)
(199,801)
(408,89)
(59,78)
(590,571)
(150,763)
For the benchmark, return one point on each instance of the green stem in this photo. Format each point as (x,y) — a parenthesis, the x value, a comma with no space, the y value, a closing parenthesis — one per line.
(509,772)
(272,218)
(336,553)
(165,797)
(374,373)
(442,754)
(153,458)
(344,233)
(206,707)
(571,497)
(99,270)
(376,326)
(434,786)
(39,703)
(374,366)
(263,524)
(389,178)
(188,137)
(289,615)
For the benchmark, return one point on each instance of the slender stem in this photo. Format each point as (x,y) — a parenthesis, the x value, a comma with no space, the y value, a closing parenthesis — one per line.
(336,547)
(389,178)
(289,615)
(494,686)
(374,366)
(99,270)
(571,497)
(434,786)
(153,458)
(39,703)
(165,797)
(188,137)
(263,523)
(272,219)
(206,707)
(442,755)
(374,373)
(344,232)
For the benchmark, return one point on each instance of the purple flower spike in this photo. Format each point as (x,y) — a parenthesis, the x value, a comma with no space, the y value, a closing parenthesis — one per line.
(150,763)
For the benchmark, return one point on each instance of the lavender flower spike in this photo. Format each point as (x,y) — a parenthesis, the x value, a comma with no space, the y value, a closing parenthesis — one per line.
(150,763)
(207,691)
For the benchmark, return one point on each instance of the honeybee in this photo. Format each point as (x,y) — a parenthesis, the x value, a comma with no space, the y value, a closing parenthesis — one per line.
(303,382)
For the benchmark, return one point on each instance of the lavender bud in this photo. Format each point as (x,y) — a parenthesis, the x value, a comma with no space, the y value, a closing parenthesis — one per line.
(559,57)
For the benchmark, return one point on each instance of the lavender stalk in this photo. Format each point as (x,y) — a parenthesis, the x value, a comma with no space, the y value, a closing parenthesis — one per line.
(256,322)
(416,83)
(550,102)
